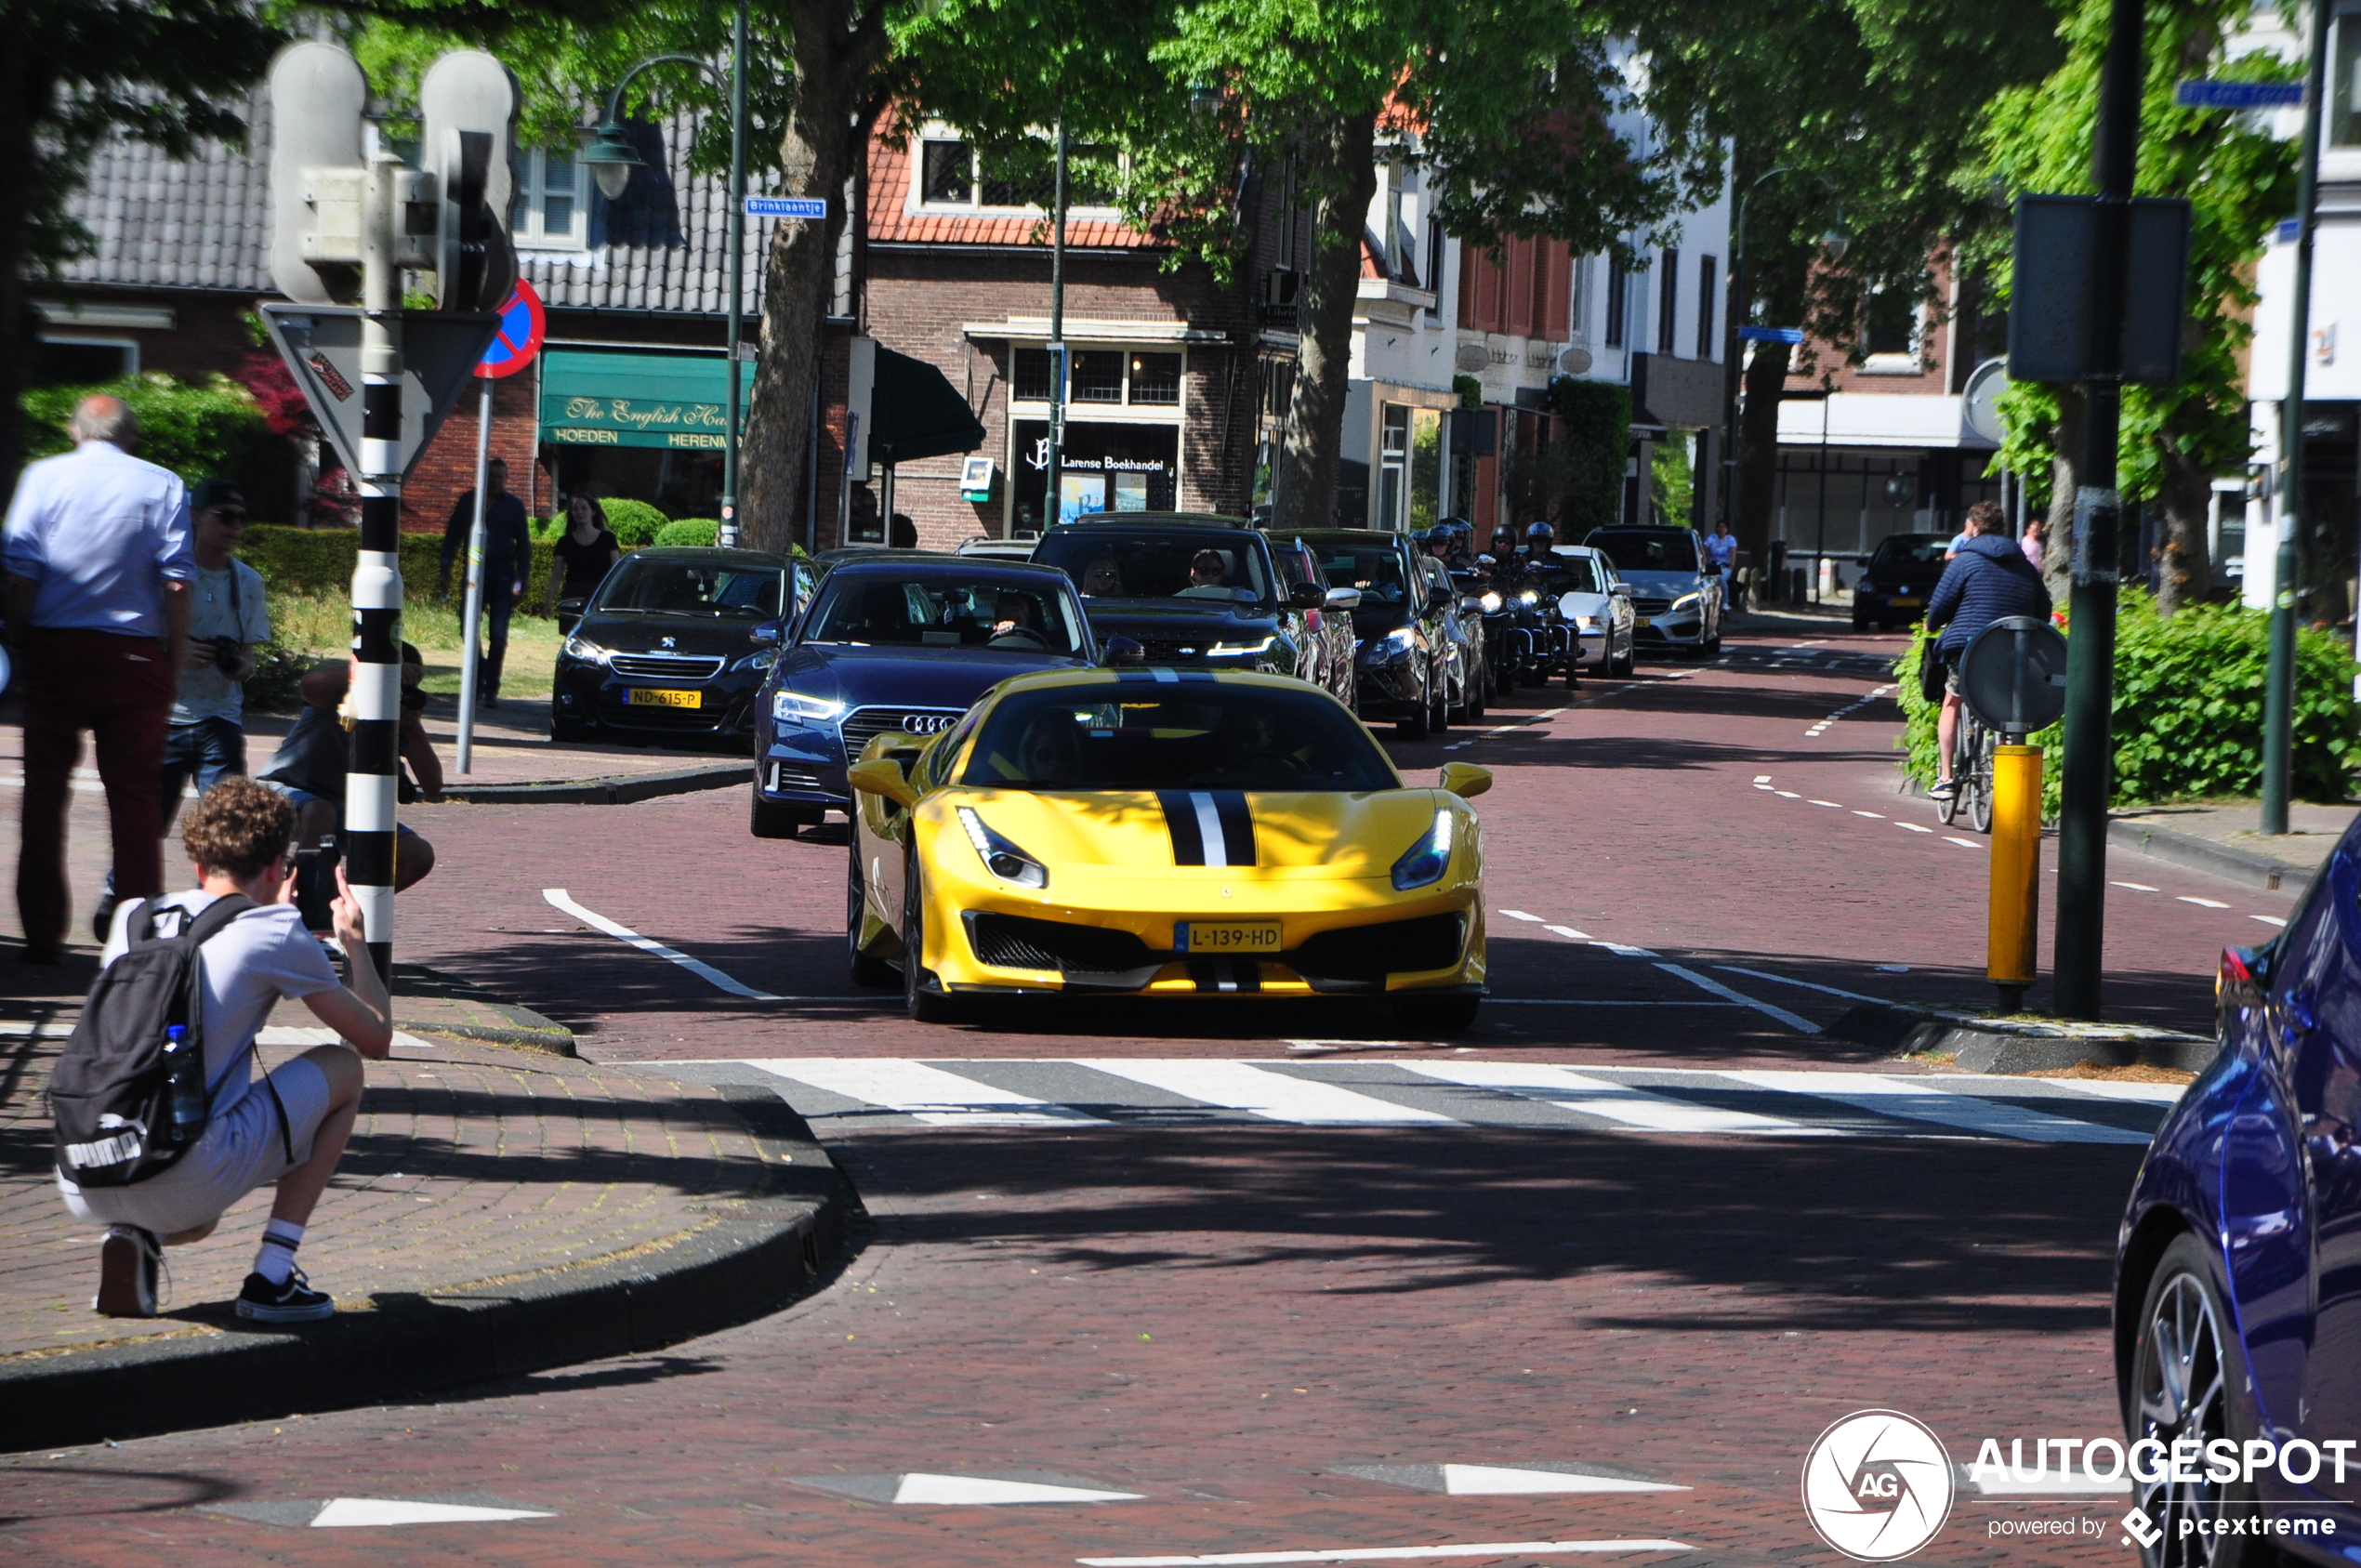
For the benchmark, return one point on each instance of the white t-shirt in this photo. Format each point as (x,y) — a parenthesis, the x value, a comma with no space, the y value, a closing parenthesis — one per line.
(263,954)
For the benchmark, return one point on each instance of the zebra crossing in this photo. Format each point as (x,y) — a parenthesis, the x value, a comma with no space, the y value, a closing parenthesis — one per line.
(845,1097)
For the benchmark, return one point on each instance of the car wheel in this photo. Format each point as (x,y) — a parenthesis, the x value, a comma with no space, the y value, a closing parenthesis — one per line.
(1436,1015)
(770,820)
(2184,1381)
(1860,622)
(569,729)
(1439,716)
(872,972)
(923,1005)
(1415,728)
(1481,698)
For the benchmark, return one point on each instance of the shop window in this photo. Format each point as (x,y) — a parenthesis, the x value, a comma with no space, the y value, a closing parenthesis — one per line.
(1155,380)
(552,210)
(1096,375)
(1704,307)
(1395,466)
(1668,302)
(83,361)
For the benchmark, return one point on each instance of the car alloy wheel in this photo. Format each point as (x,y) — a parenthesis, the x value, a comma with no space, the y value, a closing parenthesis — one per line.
(866,970)
(770,820)
(2180,1390)
(922,1005)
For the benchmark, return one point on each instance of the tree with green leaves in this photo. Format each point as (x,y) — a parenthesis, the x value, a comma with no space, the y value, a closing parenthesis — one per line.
(2238,180)
(71,74)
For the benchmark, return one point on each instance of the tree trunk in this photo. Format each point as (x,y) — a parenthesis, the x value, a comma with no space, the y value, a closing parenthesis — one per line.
(1303,476)
(25,88)
(2057,535)
(2186,574)
(819,150)
(1766,377)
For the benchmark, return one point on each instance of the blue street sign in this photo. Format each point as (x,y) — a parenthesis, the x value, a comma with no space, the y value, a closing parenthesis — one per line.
(2289,231)
(787,207)
(1771,333)
(2239,95)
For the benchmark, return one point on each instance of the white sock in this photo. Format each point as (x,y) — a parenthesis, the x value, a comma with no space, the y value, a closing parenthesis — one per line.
(274,1261)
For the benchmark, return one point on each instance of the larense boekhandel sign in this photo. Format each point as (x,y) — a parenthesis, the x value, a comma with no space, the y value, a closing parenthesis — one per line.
(674,401)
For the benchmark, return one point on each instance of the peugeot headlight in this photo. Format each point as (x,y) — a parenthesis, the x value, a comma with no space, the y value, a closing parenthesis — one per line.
(794,707)
(1491,602)
(1001,858)
(1240,649)
(1686,601)
(1425,862)
(589,653)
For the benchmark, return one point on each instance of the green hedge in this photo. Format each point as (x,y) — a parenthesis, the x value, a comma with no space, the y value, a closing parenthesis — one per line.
(634,524)
(215,430)
(1594,429)
(321,560)
(688,532)
(2188,708)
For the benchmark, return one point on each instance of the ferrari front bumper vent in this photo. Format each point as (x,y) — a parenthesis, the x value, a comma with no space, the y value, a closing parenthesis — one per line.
(1351,959)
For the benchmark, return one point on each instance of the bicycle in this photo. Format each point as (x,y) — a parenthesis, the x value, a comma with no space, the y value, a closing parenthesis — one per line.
(1971,768)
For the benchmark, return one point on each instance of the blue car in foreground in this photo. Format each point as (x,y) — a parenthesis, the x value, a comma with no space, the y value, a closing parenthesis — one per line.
(2238,1299)
(900,642)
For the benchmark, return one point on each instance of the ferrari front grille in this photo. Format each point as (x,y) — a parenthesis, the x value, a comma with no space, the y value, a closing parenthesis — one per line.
(1359,958)
(1013,941)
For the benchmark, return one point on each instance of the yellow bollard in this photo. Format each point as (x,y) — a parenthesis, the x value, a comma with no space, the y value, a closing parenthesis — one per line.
(2017,870)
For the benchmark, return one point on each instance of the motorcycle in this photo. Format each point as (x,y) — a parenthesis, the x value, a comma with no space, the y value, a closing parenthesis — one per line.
(1480,598)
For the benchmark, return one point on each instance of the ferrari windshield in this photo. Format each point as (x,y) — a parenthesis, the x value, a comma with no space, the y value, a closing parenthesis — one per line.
(945,606)
(1198,736)
(690,588)
(1219,564)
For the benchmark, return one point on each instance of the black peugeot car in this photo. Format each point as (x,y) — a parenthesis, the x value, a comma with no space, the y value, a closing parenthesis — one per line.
(1894,589)
(663,649)
(1189,593)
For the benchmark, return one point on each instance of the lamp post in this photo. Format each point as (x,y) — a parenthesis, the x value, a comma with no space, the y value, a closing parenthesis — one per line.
(611,158)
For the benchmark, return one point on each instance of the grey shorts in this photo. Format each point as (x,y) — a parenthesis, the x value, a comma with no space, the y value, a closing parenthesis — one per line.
(241,1151)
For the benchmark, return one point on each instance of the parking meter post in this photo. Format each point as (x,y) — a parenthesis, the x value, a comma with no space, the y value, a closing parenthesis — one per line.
(2016,871)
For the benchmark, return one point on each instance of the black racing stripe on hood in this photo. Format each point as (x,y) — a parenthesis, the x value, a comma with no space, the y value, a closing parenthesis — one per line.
(1238,826)
(1180,820)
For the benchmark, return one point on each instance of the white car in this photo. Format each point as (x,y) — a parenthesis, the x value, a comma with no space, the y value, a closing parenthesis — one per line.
(1597,604)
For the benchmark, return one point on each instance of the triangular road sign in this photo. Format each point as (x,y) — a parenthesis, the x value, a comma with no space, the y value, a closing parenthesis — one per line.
(321,345)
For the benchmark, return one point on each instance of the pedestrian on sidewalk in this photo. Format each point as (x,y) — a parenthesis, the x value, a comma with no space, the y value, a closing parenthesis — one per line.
(2032,542)
(290,1129)
(98,563)
(309,766)
(1723,549)
(508,561)
(585,554)
(207,739)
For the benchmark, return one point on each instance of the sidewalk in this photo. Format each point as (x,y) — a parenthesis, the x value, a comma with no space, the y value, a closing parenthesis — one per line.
(499,1210)
(2220,837)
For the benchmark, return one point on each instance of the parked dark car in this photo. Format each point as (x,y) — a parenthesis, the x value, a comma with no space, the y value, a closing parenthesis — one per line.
(1901,574)
(1328,650)
(1676,594)
(662,650)
(2237,1281)
(1403,663)
(1135,582)
(1467,677)
(902,642)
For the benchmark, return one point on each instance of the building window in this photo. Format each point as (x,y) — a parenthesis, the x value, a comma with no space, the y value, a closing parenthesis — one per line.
(1890,323)
(952,174)
(1579,303)
(2344,72)
(1618,300)
(1139,378)
(1096,375)
(83,361)
(1032,378)
(1669,303)
(1155,380)
(1704,307)
(1433,274)
(553,211)
(1394,457)
(947,174)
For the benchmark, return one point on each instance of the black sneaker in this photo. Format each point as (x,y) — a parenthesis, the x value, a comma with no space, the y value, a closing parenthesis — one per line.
(1944,789)
(295,1301)
(129,1260)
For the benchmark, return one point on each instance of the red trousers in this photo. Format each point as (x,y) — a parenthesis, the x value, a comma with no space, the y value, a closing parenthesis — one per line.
(120,689)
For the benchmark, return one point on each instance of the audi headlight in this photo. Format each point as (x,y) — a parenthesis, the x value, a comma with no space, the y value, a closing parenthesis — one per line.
(587,650)
(1424,863)
(794,707)
(1686,601)
(1001,858)
(1491,602)
(1240,649)
(761,658)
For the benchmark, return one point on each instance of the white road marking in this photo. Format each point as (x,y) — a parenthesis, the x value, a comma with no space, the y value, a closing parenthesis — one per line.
(1236,1085)
(348,1512)
(1715,987)
(1602,1098)
(2152,1094)
(2269,920)
(2203,903)
(1568,932)
(1964,843)
(1858,812)
(1505,1480)
(1624,950)
(930,1094)
(1919,1102)
(1786,795)
(1521,914)
(1763,778)
(1833,805)
(1385,1554)
(1765,787)
(296,1034)
(956,1490)
(2135,887)
(1914,827)
(1806,984)
(559,898)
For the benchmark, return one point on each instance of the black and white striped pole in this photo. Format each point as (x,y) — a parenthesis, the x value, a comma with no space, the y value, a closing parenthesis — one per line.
(376,696)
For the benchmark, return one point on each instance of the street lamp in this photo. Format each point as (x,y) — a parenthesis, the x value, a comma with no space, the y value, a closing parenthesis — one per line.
(611,158)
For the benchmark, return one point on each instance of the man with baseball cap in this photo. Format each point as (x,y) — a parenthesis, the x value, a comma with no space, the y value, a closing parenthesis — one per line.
(207,739)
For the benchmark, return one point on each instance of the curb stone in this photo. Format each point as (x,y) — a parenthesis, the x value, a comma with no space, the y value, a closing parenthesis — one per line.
(1985,1044)
(754,1256)
(520,1026)
(2225,861)
(620,789)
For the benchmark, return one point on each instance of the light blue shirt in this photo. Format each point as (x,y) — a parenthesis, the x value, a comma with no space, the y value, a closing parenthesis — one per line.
(233,604)
(101,532)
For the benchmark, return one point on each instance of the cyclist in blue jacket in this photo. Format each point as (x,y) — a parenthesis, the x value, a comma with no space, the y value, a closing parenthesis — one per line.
(1988,579)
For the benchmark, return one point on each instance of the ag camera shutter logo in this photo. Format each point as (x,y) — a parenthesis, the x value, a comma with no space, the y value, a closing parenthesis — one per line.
(1877,1485)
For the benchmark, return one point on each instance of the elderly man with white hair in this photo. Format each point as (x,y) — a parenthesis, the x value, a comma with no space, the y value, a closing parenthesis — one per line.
(97,562)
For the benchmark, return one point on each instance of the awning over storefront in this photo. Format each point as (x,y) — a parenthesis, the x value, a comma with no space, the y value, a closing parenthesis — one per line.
(624,399)
(916,412)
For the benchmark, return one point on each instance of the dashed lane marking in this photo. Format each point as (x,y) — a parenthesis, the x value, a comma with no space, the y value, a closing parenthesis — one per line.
(2269,920)
(918,1487)
(1831,805)
(2135,887)
(1874,816)
(1964,843)
(1913,827)
(2203,903)
(559,898)
(1505,1480)
(1386,1554)
(1521,914)
(1801,1025)
(1569,933)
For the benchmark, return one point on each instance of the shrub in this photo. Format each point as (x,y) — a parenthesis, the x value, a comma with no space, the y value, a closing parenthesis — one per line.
(276,685)
(688,532)
(2188,708)
(1586,454)
(196,431)
(634,524)
(309,561)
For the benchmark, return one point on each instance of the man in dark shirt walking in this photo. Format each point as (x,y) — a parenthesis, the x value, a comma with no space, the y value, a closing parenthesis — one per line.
(508,560)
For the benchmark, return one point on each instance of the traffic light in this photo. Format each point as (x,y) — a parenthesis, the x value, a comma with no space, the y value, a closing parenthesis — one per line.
(467,109)
(317,97)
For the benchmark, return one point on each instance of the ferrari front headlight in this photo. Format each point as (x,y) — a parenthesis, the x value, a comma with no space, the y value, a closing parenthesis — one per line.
(1001,858)
(1424,863)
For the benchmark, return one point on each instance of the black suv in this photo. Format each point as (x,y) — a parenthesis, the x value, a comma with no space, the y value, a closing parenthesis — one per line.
(1188,592)
(1403,664)
(1894,589)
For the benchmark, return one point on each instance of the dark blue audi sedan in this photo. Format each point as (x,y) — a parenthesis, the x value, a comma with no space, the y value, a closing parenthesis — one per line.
(2237,1294)
(902,642)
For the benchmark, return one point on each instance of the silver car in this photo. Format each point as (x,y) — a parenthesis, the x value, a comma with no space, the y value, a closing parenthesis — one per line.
(1597,604)
(1676,594)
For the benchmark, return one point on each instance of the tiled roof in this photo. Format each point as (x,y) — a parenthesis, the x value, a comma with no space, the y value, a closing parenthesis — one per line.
(893,218)
(205,224)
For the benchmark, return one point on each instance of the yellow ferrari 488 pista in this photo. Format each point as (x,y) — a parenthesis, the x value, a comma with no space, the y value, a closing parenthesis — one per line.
(1163,833)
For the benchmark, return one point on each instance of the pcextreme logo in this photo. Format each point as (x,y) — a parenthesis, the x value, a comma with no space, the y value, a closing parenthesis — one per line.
(1877,1485)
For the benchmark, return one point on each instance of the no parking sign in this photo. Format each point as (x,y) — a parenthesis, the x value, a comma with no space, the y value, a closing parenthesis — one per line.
(521,325)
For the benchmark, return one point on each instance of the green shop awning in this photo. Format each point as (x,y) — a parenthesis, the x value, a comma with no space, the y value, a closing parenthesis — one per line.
(914,412)
(611,399)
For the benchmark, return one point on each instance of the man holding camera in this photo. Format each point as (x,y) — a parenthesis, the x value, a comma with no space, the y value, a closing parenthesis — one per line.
(207,739)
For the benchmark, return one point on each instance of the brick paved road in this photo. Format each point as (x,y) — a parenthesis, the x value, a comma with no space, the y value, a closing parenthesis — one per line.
(1218,1317)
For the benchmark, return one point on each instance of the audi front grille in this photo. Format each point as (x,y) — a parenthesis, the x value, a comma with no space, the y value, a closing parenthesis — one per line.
(866,724)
